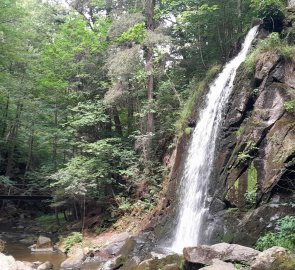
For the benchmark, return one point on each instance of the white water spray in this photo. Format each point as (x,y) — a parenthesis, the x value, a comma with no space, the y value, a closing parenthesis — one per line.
(199,161)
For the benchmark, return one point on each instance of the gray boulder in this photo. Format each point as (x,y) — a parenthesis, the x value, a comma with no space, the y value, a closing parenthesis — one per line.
(235,253)
(115,243)
(111,264)
(7,262)
(74,261)
(45,266)
(205,255)
(24,266)
(219,265)
(265,260)
(44,242)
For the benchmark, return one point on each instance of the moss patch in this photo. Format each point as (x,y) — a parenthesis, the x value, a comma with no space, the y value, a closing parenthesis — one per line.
(158,264)
(252,178)
(283,263)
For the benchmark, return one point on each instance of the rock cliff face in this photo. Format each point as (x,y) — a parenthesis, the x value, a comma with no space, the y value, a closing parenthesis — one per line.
(255,160)
(253,179)
(258,136)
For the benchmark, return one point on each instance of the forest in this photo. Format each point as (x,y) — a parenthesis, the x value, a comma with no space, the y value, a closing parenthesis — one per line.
(94,93)
(95,96)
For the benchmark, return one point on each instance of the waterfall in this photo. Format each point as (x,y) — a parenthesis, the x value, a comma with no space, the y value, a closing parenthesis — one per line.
(199,161)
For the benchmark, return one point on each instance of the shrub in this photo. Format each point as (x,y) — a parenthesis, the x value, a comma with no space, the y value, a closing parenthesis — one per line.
(283,236)
(193,99)
(290,106)
(273,43)
(250,198)
(71,240)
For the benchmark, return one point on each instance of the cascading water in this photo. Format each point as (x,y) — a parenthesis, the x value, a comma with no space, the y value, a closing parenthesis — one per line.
(199,161)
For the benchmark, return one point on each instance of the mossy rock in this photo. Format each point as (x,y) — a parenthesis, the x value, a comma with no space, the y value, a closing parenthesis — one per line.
(159,264)
(283,263)
(228,238)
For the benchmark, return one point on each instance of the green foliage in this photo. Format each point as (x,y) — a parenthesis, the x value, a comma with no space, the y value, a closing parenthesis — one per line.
(49,222)
(136,34)
(250,198)
(252,178)
(250,62)
(240,131)
(289,106)
(6,181)
(273,43)
(73,92)
(248,152)
(193,99)
(71,240)
(284,235)
(243,156)
(269,8)
(251,193)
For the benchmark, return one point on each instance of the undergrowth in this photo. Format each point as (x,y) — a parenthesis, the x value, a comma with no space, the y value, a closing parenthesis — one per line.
(71,240)
(197,92)
(49,222)
(273,43)
(283,236)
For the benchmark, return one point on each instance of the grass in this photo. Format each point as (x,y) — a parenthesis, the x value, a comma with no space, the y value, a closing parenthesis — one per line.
(187,109)
(252,178)
(272,44)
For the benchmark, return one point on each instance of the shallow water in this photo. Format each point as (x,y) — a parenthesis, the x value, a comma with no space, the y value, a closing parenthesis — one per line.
(21,251)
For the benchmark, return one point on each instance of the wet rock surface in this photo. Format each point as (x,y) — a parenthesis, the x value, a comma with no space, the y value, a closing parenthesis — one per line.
(255,155)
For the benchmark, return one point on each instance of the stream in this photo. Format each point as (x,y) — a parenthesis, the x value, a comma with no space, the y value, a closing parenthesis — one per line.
(18,242)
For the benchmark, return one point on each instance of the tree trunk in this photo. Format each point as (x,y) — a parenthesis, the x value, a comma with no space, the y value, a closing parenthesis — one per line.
(5,116)
(108,124)
(149,69)
(30,152)
(117,121)
(130,116)
(149,13)
(54,145)
(11,139)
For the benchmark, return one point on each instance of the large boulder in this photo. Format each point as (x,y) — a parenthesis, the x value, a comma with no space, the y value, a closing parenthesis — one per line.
(218,265)
(7,262)
(114,263)
(115,243)
(75,260)
(45,266)
(202,255)
(44,242)
(205,255)
(24,266)
(266,259)
(235,253)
